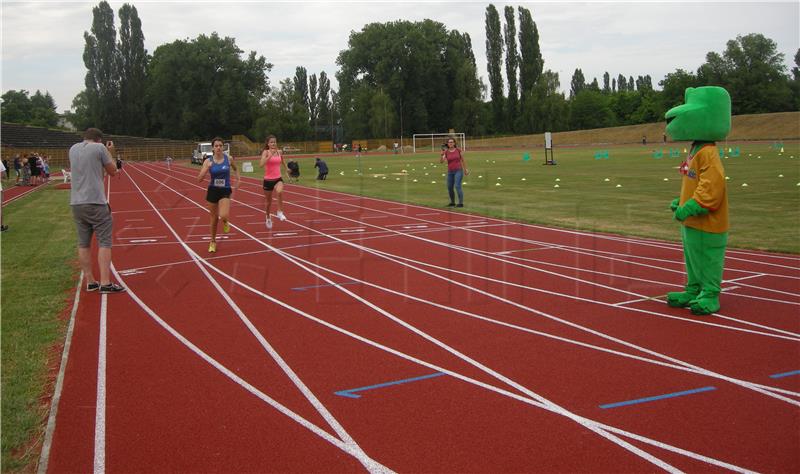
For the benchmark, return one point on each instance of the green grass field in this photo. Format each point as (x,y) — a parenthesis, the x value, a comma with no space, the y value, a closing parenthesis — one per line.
(628,193)
(38,253)
(39,264)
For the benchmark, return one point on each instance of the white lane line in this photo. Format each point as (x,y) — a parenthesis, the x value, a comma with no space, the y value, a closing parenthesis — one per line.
(289,257)
(100,407)
(557,408)
(370,464)
(142,237)
(142,241)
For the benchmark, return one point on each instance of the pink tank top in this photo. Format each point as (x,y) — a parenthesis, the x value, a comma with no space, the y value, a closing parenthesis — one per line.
(273,168)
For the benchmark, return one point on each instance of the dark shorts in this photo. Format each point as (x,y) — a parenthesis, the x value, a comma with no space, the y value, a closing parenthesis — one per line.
(269,184)
(215,194)
(93,219)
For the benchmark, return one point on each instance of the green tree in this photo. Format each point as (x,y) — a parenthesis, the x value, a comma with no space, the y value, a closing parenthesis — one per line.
(673,87)
(38,110)
(79,115)
(577,84)
(102,78)
(16,107)
(606,83)
(43,110)
(512,63)
(415,64)
(545,109)
(590,109)
(300,82)
(203,88)
(622,83)
(132,73)
(753,72)
(531,62)
(325,110)
(494,57)
(795,84)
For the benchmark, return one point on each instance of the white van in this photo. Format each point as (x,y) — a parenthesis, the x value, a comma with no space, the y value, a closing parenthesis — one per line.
(203,150)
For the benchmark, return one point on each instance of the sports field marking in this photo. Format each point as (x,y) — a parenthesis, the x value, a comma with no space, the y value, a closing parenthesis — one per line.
(613,429)
(769,391)
(350,393)
(558,409)
(100,408)
(785,374)
(304,288)
(480,252)
(301,386)
(644,242)
(657,397)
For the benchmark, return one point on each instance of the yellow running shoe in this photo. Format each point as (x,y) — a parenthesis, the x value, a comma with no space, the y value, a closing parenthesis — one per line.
(226,227)
(212,247)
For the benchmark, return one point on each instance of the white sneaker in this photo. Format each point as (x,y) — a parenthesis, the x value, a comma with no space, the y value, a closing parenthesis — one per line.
(281,216)
(269,223)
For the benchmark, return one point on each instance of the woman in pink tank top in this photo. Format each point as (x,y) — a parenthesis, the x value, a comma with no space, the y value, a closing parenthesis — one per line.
(272,162)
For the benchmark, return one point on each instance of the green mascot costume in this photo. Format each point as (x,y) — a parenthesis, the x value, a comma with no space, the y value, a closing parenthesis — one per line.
(702,208)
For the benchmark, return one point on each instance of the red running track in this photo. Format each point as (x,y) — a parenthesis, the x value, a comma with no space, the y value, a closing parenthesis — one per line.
(364,334)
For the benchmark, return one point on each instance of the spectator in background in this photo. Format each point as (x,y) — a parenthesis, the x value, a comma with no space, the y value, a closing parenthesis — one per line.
(26,171)
(33,163)
(456,169)
(6,168)
(4,174)
(323,169)
(18,167)
(88,160)
(46,168)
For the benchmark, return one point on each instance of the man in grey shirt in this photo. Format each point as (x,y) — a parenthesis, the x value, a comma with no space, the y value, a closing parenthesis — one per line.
(88,161)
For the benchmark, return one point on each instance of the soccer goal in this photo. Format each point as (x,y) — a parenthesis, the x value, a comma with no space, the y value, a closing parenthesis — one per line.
(432,142)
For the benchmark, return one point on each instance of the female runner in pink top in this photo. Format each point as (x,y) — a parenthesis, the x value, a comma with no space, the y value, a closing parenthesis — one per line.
(272,161)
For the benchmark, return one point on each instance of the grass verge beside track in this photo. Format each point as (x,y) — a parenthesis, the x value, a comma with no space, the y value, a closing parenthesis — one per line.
(39,269)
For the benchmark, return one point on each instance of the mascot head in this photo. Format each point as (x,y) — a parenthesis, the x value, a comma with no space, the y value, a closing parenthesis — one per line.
(705,116)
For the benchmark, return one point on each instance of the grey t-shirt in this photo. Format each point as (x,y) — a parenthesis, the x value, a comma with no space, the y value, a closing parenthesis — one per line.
(86,161)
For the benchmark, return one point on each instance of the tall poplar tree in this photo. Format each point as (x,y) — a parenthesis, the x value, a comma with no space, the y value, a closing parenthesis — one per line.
(102,79)
(132,73)
(531,62)
(512,62)
(494,57)
(577,84)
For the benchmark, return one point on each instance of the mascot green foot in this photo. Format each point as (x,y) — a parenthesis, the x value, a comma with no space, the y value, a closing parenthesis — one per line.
(680,299)
(704,304)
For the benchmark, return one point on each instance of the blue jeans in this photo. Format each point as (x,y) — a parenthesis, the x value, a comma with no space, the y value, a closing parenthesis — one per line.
(454,180)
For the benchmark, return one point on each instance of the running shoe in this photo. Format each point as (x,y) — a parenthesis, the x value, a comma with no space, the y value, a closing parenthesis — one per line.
(459,205)
(269,223)
(226,227)
(452,204)
(111,288)
(212,247)
(281,216)
(94,286)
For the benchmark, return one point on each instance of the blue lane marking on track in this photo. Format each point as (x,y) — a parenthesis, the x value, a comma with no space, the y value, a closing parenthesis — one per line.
(785,374)
(657,397)
(304,288)
(349,393)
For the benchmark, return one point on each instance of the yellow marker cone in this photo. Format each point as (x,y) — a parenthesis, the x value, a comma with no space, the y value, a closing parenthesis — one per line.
(744,185)
(556,186)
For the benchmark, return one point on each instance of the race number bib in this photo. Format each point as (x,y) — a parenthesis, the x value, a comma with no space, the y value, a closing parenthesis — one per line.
(219,182)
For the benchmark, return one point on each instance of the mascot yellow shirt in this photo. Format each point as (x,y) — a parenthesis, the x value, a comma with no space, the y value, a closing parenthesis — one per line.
(704,180)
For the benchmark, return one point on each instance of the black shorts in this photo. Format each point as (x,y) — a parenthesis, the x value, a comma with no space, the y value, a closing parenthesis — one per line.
(269,184)
(215,194)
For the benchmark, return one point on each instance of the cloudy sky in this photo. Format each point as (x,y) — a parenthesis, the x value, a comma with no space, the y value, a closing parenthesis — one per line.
(42,41)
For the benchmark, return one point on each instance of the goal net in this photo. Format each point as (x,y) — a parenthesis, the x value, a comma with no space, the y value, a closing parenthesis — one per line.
(432,142)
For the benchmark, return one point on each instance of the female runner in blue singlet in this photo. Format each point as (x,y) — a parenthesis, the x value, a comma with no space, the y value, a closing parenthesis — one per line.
(219,166)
